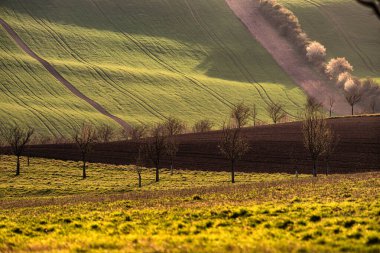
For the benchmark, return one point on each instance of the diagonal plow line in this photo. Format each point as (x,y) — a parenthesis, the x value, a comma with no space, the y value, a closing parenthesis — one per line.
(59,77)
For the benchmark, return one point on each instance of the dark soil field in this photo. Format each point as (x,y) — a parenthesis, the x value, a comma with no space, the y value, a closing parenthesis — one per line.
(274,148)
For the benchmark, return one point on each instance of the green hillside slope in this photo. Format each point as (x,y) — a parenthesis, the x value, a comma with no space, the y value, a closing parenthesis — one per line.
(143,60)
(28,94)
(346,28)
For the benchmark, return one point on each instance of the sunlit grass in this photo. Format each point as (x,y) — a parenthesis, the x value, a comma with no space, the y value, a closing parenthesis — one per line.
(187,212)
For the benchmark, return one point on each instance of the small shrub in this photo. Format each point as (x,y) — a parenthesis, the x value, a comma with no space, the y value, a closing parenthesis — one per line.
(296,200)
(372,240)
(356,235)
(240,213)
(302,223)
(349,224)
(95,226)
(49,230)
(67,221)
(17,231)
(39,229)
(209,224)
(197,197)
(285,224)
(315,218)
(307,237)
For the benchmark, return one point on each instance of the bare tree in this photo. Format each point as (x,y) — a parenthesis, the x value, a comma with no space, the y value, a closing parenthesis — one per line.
(85,136)
(313,105)
(276,112)
(155,147)
(353,93)
(315,129)
(138,132)
(139,163)
(330,142)
(233,146)
(254,114)
(105,133)
(202,126)
(372,105)
(173,127)
(331,104)
(240,114)
(17,138)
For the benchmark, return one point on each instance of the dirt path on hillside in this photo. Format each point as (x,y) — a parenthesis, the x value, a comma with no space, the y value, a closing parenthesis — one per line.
(58,76)
(285,55)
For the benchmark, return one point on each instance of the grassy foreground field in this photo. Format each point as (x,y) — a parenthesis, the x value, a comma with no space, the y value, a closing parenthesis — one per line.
(142,60)
(49,208)
(346,28)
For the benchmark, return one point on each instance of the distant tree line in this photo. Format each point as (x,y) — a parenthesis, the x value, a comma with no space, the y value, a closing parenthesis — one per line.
(337,70)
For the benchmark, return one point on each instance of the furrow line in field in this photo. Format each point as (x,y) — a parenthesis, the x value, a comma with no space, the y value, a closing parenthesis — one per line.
(34,76)
(290,99)
(99,71)
(58,76)
(155,58)
(21,102)
(55,36)
(34,111)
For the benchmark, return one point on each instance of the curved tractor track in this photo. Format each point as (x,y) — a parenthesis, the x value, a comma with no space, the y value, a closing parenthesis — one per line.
(58,76)
(285,55)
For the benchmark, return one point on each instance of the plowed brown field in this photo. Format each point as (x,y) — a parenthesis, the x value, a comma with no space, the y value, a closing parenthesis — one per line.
(274,148)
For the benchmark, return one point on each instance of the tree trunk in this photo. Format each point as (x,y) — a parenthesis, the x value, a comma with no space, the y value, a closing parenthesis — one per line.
(233,171)
(84,169)
(139,180)
(28,160)
(314,168)
(327,168)
(171,165)
(18,166)
(352,109)
(157,174)
(330,112)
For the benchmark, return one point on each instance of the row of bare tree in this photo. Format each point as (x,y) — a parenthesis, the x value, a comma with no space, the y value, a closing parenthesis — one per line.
(161,140)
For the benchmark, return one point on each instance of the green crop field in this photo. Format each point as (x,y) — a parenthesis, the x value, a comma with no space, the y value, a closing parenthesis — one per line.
(346,28)
(143,60)
(50,208)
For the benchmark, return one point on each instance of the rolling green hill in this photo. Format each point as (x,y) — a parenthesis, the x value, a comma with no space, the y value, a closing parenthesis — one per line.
(142,60)
(346,28)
